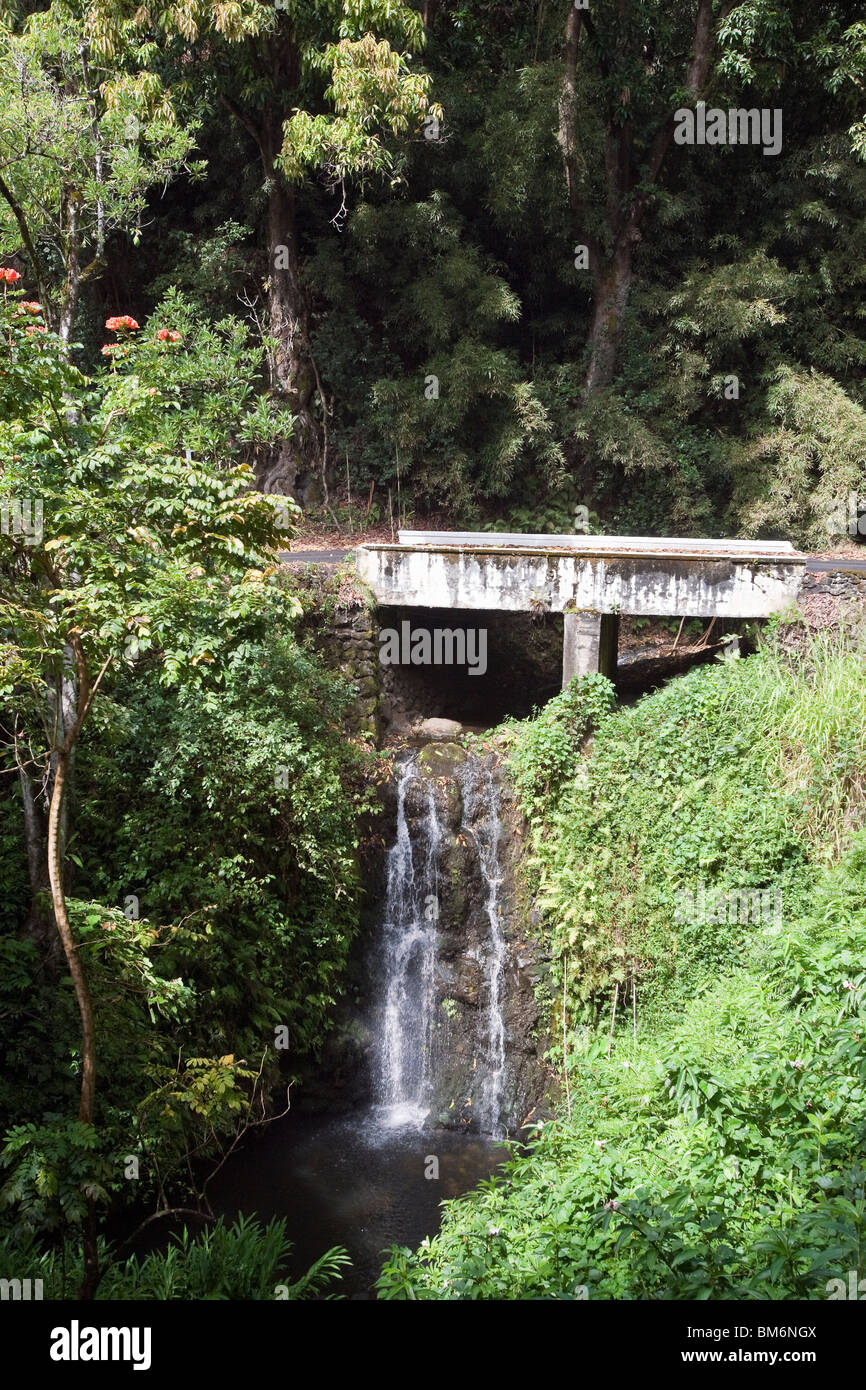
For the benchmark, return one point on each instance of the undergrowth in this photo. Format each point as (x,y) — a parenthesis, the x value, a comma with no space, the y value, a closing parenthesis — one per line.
(711,1140)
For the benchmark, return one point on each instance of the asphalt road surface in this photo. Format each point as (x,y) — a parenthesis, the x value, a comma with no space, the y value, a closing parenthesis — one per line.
(313,557)
(836,566)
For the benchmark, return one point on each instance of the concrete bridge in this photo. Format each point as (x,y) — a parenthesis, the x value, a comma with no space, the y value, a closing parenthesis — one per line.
(589,579)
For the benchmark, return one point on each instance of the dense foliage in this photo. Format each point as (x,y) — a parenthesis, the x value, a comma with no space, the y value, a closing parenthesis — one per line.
(489,276)
(241,1261)
(711,1139)
(180,803)
(441,257)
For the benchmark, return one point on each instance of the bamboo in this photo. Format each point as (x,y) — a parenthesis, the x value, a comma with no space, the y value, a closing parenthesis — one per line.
(613,1017)
(564,1034)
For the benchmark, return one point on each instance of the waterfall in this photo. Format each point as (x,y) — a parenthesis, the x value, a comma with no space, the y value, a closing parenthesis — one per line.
(422,1059)
(409,957)
(482,808)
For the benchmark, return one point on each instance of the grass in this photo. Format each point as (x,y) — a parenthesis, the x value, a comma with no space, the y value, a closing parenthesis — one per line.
(720,1153)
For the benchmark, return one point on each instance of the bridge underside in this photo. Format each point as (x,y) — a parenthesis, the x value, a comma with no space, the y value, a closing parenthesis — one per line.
(590,579)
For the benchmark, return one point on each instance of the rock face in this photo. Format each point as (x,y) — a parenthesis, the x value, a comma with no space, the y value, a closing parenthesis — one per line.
(484,952)
(487,1043)
(464,1036)
(347,642)
(446,1022)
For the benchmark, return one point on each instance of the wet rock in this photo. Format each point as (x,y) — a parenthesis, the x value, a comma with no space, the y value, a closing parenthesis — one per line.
(441,759)
(458,887)
(447,802)
(340,1079)
(460,979)
(465,841)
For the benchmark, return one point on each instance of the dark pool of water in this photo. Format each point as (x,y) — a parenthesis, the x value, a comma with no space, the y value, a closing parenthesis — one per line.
(350,1181)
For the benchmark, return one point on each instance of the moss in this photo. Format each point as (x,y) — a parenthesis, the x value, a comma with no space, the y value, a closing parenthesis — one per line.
(441,759)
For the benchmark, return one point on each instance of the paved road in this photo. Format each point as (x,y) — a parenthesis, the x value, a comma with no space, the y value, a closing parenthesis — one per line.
(313,557)
(334,557)
(836,566)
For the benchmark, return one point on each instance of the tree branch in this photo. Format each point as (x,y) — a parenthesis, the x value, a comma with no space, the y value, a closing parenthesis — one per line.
(245,119)
(21,219)
(697,76)
(567,133)
(567,127)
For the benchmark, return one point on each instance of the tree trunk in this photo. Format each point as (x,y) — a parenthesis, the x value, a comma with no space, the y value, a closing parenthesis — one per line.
(627,206)
(82,995)
(72,201)
(76,970)
(33,836)
(612,286)
(39,925)
(293,467)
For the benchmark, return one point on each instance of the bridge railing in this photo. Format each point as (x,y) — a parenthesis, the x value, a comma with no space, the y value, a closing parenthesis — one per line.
(603,545)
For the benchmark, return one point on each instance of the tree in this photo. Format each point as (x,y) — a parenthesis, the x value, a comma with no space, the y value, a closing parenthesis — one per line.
(642,62)
(411,310)
(127,546)
(81,143)
(318,93)
(636,66)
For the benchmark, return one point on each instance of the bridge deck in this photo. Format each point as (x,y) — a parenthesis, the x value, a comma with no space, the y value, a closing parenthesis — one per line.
(651,546)
(601,574)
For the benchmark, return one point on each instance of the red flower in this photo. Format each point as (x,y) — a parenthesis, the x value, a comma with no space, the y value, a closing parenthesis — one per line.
(35,328)
(11,277)
(28,306)
(166,335)
(122,321)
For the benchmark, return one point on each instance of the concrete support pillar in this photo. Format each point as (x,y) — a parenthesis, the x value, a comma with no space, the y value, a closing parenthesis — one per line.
(725,631)
(590,642)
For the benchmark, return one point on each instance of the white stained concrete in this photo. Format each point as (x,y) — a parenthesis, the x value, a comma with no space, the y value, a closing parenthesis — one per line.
(595,545)
(601,574)
(589,644)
